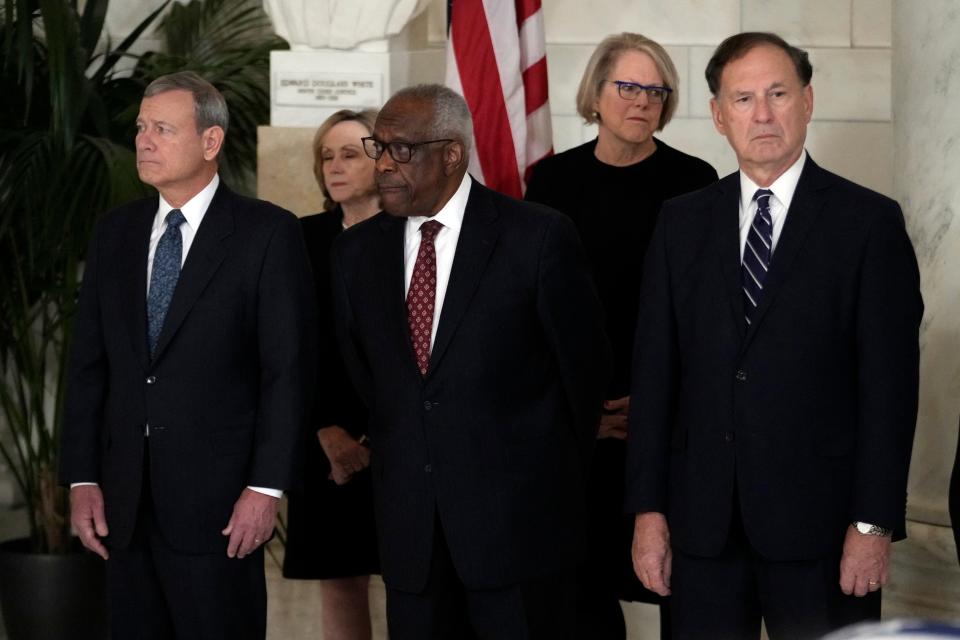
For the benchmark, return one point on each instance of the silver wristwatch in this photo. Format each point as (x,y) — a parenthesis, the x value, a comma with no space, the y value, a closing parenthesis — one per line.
(872,529)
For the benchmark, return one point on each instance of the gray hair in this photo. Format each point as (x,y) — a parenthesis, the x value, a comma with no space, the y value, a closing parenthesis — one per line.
(451,115)
(210,108)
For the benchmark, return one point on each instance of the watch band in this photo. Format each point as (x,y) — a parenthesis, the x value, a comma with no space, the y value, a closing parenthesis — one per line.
(868,529)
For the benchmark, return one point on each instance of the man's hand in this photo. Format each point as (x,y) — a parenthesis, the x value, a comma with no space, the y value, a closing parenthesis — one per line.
(251,524)
(652,557)
(87,517)
(613,420)
(346,455)
(864,566)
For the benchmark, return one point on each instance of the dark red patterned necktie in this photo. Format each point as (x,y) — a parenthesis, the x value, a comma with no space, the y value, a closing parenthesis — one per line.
(422,294)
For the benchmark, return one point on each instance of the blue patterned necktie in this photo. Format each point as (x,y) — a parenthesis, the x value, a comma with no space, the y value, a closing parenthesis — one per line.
(163,278)
(757,253)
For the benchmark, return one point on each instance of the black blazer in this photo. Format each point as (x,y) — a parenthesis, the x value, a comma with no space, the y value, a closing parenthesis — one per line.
(495,440)
(224,394)
(809,414)
(335,402)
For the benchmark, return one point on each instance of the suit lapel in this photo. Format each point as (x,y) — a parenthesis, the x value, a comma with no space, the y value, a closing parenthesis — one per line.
(204,258)
(805,208)
(133,277)
(478,236)
(390,273)
(726,220)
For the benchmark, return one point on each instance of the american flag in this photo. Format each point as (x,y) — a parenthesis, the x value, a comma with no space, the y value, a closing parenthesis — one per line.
(496,58)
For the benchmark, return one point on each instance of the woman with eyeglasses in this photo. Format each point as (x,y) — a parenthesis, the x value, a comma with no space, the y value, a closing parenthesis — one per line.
(612,187)
(331,535)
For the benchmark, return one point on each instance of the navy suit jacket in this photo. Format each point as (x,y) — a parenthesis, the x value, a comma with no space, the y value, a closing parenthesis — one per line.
(224,394)
(496,438)
(808,414)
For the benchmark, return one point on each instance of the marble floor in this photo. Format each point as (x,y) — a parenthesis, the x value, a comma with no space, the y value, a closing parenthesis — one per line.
(925,583)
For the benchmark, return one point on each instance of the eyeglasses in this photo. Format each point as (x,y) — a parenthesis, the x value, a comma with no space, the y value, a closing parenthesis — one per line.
(632,91)
(400,151)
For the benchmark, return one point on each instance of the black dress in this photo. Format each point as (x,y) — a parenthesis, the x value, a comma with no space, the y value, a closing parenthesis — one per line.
(330,528)
(615,210)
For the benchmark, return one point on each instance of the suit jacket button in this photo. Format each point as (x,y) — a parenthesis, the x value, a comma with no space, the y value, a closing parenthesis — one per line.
(427,405)
(728,436)
(428,468)
(151,379)
(741,376)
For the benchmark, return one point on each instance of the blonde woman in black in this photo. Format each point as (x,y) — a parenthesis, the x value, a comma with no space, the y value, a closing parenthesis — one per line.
(612,187)
(331,534)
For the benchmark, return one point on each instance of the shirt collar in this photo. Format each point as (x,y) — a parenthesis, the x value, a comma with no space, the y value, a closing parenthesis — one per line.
(196,207)
(451,214)
(783,187)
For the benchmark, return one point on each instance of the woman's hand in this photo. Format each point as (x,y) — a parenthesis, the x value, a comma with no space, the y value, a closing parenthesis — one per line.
(346,455)
(613,420)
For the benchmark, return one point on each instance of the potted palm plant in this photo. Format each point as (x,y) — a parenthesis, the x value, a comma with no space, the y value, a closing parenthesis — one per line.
(66,155)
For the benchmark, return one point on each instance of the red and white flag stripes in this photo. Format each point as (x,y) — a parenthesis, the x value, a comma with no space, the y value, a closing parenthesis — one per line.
(496,59)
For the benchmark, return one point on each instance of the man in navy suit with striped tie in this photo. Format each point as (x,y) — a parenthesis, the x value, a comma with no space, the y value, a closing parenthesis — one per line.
(775,376)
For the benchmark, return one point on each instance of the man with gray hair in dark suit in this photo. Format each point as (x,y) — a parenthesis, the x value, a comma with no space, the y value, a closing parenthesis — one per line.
(775,376)
(188,379)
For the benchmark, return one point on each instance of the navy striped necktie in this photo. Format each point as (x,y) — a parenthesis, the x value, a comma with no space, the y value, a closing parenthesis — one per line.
(164,276)
(757,254)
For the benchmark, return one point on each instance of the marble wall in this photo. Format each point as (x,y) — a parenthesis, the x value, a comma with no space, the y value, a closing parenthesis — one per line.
(926,143)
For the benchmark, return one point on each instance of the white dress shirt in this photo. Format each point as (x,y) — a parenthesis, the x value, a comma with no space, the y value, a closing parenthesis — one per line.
(451,217)
(193,211)
(783,189)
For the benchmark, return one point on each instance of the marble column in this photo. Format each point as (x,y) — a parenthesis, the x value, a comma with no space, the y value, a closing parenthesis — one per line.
(926,92)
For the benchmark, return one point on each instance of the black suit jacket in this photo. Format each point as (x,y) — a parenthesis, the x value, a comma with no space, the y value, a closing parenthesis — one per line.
(495,440)
(224,394)
(809,414)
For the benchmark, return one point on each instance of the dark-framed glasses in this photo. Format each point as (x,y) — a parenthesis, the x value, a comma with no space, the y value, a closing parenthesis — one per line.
(400,151)
(631,91)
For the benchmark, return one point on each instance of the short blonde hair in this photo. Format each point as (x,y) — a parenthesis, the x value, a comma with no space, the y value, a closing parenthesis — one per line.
(601,63)
(366,117)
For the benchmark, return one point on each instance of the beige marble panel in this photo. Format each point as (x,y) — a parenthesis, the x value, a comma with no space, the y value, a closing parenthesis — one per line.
(285,169)
(436,16)
(698,137)
(851,84)
(678,22)
(858,151)
(681,60)
(570,131)
(872,25)
(926,80)
(425,66)
(699,102)
(822,23)
(565,66)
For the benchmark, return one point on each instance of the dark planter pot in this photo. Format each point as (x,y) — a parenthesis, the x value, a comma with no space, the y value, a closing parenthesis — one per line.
(52,596)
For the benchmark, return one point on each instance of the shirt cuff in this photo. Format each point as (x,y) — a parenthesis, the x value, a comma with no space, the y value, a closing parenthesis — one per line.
(273,493)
